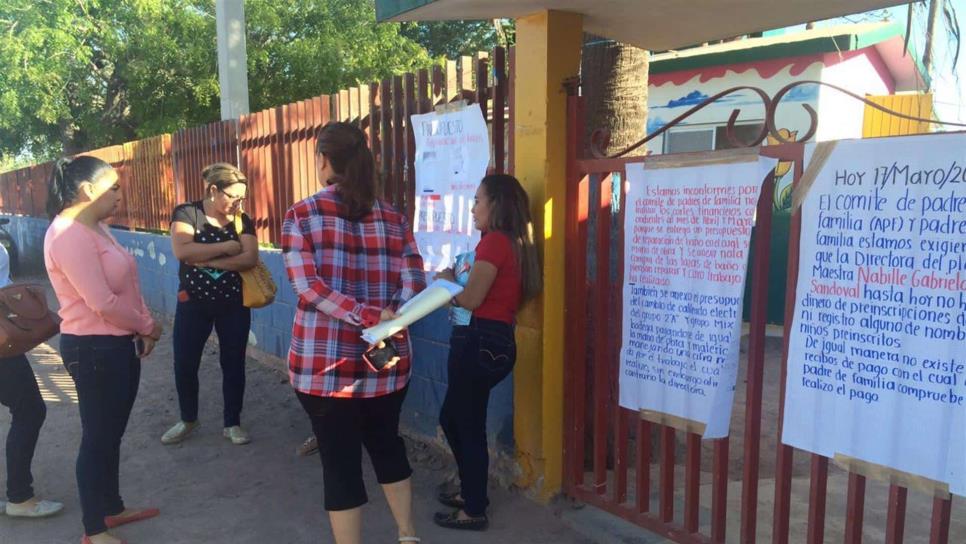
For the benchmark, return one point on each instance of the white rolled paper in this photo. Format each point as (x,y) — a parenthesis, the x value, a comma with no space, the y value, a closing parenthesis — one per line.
(435,296)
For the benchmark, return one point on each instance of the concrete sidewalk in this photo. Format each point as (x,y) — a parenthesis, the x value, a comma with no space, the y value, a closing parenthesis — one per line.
(213,492)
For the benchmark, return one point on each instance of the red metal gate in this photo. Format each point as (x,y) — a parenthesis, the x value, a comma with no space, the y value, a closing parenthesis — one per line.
(757,488)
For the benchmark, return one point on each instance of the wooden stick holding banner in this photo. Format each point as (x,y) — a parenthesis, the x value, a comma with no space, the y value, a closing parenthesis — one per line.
(675,422)
(939,490)
(451,107)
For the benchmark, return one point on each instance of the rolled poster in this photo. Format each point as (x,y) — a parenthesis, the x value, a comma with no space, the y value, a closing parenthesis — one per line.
(435,296)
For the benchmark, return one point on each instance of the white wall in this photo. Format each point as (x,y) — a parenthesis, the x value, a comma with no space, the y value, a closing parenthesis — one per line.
(840,116)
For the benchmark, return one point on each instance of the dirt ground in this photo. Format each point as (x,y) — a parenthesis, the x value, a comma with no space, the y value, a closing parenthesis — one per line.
(211,491)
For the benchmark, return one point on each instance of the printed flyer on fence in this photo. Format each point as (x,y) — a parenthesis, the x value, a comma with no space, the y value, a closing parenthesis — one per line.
(876,360)
(452,154)
(686,241)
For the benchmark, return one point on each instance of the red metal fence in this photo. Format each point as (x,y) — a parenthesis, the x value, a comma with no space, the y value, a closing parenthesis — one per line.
(194,148)
(276,147)
(747,488)
(25,189)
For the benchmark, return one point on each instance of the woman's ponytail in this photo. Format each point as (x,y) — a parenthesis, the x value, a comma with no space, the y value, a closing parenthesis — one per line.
(57,189)
(345,146)
(67,175)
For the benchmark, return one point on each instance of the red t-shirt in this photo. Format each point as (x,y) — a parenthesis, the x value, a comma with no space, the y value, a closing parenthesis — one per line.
(503,299)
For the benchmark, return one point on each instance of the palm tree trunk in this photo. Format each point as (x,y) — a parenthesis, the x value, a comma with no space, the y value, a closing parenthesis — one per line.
(613,79)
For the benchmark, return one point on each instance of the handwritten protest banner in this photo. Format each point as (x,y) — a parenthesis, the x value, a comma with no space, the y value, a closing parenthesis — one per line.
(686,245)
(452,153)
(876,361)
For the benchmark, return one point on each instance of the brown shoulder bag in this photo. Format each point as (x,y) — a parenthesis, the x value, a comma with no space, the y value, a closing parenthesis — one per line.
(25,319)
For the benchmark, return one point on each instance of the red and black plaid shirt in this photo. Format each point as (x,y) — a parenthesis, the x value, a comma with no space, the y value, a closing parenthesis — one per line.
(345,272)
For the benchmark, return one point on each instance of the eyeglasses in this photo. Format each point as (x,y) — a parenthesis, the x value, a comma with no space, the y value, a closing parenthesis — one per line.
(230,197)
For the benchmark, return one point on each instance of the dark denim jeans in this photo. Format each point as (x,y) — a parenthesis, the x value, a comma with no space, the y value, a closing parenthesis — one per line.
(193,321)
(106,373)
(481,355)
(19,393)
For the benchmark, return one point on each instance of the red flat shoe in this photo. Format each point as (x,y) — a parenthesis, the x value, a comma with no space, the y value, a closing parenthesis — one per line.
(117,521)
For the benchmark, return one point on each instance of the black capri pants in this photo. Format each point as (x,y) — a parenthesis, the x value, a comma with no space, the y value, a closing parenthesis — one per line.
(342,427)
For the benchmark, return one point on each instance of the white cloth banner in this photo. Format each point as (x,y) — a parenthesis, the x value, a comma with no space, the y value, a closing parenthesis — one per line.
(686,241)
(876,360)
(452,154)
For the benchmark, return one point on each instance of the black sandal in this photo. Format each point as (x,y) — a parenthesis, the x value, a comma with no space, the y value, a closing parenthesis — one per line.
(451,499)
(451,520)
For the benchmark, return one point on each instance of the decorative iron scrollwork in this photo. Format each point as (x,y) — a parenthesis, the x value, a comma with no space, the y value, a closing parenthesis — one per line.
(600,138)
(813,115)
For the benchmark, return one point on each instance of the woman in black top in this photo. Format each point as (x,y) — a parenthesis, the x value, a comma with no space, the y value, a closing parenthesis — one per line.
(212,252)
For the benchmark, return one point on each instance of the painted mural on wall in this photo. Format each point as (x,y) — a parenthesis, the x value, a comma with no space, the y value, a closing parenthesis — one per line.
(783,174)
(673,93)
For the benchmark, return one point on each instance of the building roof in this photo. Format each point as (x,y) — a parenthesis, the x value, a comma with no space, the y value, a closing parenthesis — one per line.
(656,25)
(887,38)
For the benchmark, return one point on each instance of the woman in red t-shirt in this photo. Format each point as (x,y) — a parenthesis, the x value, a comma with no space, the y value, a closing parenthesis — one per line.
(505,274)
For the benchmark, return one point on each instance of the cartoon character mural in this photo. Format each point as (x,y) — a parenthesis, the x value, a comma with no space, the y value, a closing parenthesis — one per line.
(783,182)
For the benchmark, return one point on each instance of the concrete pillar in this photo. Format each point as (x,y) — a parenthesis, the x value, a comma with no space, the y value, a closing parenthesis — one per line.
(547,53)
(232,58)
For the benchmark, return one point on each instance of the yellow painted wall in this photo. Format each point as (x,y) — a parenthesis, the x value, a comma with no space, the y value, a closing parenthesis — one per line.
(878,123)
(547,53)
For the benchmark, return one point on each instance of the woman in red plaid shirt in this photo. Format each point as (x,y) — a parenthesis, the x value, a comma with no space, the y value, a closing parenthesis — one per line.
(352,260)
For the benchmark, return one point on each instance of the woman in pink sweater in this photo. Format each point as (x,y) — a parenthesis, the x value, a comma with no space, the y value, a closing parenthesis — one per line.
(106,330)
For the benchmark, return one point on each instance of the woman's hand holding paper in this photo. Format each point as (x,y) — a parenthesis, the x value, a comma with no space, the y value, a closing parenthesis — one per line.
(437,295)
(446,274)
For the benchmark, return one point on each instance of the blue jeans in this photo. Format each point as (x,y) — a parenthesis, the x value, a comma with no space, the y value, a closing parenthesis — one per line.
(19,393)
(481,355)
(193,321)
(106,373)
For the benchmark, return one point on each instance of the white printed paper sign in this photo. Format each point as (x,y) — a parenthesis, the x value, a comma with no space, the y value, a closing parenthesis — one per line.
(452,153)
(686,239)
(877,361)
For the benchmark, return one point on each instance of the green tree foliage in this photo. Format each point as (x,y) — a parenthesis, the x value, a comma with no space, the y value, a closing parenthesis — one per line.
(80,74)
(450,39)
(311,47)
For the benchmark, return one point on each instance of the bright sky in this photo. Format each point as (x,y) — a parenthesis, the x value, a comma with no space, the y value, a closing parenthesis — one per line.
(949,85)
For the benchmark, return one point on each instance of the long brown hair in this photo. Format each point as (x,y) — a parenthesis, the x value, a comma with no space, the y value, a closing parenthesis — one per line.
(510,214)
(345,147)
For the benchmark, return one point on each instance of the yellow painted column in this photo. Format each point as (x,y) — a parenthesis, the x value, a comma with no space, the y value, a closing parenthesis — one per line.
(547,53)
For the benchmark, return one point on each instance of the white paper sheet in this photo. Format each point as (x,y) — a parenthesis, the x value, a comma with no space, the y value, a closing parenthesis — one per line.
(876,361)
(435,296)
(686,234)
(452,154)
